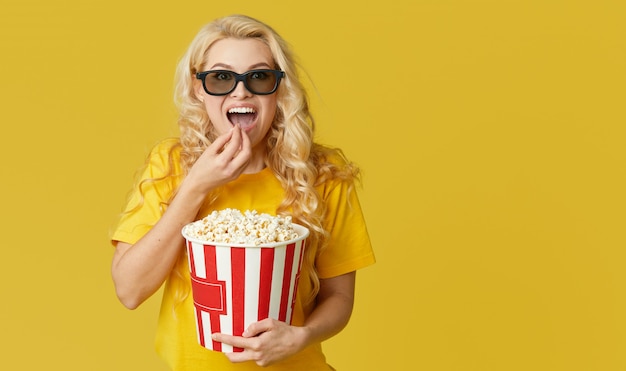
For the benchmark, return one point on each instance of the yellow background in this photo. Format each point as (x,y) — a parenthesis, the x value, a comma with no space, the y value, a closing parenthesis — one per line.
(491,136)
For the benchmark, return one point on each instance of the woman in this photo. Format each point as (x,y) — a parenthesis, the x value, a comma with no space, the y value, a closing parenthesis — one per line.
(246,142)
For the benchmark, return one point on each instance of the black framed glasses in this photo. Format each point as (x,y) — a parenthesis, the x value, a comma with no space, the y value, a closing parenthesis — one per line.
(222,82)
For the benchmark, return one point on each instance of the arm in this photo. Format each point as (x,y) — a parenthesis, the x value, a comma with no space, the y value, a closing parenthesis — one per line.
(270,341)
(139,270)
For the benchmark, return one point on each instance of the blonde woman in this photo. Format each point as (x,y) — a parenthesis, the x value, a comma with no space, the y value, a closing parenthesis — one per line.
(246,142)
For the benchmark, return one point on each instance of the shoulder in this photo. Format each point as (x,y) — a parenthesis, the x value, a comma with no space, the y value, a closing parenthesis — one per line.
(165,156)
(329,155)
(333,168)
(166,147)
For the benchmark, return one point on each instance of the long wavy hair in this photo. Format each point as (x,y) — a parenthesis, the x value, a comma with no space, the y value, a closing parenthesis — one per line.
(294,158)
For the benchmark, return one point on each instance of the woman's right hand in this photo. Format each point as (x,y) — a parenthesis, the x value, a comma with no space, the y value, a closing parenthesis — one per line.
(223,161)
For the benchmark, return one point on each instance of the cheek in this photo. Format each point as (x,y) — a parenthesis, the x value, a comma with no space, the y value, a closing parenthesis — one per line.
(271,114)
(271,109)
(213,109)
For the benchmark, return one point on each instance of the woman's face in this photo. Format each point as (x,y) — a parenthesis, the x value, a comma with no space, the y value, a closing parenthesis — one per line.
(254,113)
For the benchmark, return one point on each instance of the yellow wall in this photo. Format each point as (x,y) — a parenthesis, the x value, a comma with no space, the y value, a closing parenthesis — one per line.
(491,135)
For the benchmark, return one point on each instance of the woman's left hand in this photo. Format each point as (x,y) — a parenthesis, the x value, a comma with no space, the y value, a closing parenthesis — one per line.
(265,342)
(270,341)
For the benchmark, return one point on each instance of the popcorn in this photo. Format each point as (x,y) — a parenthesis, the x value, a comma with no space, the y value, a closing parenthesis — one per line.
(250,228)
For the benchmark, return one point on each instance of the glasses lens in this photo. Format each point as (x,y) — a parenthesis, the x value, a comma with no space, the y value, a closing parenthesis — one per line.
(261,82)
(219,82)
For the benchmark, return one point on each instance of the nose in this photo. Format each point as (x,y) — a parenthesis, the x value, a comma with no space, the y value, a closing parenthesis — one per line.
(240,90)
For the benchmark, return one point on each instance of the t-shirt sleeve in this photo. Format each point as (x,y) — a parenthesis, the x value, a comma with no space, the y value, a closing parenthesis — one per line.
(349,247)
(149,196)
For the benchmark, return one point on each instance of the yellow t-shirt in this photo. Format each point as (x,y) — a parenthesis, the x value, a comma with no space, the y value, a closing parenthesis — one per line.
(349,249)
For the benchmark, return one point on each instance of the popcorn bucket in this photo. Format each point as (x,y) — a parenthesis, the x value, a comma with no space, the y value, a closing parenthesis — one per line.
(234,285)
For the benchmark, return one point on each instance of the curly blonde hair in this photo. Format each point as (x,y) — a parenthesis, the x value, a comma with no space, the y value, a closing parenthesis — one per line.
(294,158)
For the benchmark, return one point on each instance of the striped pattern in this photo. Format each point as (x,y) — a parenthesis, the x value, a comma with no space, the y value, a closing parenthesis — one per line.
(236,286)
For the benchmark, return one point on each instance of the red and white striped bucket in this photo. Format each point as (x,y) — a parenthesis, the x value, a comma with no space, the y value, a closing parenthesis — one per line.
(236,285)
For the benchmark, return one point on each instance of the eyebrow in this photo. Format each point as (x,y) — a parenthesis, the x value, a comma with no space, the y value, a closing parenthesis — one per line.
(256,65)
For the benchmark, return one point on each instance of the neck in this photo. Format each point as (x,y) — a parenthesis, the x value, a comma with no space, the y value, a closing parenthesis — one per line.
(257,161)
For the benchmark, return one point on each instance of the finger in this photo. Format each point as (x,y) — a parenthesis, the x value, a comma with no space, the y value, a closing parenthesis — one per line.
(232,147)
(246,147)
(258,328)
(235,341)
(243,155)
(219,142)
(237,357)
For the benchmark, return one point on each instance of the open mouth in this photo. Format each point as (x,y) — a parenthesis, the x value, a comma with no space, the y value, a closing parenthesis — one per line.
(242,116)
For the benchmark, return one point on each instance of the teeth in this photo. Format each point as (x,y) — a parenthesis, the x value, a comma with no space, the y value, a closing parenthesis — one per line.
(241,110)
